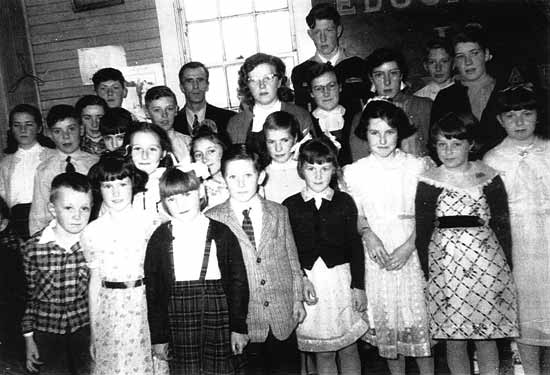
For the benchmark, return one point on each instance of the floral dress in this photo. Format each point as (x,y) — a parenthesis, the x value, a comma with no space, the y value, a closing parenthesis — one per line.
(115,249)
(384,191)
(526,175)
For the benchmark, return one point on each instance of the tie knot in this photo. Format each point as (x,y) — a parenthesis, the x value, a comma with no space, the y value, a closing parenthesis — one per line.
(69,168)
(246,212)
(68,159)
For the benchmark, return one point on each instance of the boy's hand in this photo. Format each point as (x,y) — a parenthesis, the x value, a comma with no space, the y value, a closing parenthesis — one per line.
(161,351)
(238,342)
(33,356)
(359,300)
(298,312)
(308,290)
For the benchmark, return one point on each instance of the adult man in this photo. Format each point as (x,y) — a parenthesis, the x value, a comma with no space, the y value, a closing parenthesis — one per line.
(194,84)
(325,29)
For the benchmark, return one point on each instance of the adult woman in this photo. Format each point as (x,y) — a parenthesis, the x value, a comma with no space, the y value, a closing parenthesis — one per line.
(262,87)
(387,71)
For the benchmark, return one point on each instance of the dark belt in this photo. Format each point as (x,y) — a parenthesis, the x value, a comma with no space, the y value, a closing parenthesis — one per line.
(459,221)
(122,284)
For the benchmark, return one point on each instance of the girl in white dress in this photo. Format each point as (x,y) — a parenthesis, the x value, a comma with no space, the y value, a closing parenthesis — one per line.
(523,161)
(114,246)
(383,185)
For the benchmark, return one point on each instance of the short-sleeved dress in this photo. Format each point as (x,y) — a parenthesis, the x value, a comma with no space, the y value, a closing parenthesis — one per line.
(471,292)
(526,175)
(115,248)
(384,191)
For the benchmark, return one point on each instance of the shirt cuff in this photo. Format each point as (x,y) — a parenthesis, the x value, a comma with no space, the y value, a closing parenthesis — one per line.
(28,334)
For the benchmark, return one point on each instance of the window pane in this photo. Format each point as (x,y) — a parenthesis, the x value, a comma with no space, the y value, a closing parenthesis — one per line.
(230,8)
(199,9)
(232,79)
(274,32)
(204,42)
(238,35)
(270,4)
(289,64)
(217,91)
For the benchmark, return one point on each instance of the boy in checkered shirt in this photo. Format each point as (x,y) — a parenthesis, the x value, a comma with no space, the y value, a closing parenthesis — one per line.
(56,320)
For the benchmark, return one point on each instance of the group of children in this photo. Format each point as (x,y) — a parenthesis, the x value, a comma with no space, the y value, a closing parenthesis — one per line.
(214,258)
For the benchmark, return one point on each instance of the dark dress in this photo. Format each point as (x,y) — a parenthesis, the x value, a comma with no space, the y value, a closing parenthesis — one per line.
(197,317)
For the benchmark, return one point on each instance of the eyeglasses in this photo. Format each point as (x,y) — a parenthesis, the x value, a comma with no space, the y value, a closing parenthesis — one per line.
(320,89)
(268,78)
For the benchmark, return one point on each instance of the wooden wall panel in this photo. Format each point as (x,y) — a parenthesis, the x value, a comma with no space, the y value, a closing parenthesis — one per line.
(56,34)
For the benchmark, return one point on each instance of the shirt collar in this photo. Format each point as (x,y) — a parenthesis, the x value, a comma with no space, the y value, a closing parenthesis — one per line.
(255,204)
(48,235)
(200,113)
(326,194)
(34,149)
(334,60)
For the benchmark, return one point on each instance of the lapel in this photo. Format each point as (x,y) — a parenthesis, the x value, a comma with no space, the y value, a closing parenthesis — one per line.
(230,219)
(269,220)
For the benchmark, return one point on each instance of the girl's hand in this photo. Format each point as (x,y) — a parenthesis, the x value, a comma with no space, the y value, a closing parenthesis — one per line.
(33,356)
(298,312)
(359,300)
(238,342)
(375,248)
(400,257)
(161,351)
(310,297)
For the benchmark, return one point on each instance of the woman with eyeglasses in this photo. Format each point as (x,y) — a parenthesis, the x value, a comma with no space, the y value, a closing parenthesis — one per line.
(263,90)
(387,71)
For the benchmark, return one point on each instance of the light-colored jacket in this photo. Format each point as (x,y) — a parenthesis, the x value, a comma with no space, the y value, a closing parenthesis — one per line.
(273,270)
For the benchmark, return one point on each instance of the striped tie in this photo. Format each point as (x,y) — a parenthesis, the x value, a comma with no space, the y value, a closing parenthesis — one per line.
(247,227)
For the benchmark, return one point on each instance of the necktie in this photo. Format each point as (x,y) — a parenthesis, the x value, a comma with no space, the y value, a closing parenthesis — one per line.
(196,124)
(247,227)
(69,168)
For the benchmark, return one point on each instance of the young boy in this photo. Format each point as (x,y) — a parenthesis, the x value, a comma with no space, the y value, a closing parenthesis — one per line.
(274,277)
(162,108)
(65,130)
(110,85)
(91,108)
(113,127)
(56,320)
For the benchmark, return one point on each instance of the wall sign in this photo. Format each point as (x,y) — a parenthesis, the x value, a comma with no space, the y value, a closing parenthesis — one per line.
(352,7)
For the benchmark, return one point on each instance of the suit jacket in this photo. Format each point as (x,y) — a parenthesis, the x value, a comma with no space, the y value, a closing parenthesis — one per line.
(219,115)
(273,270)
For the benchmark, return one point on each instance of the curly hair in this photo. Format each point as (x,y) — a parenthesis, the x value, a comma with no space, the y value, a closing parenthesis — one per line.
(249,65)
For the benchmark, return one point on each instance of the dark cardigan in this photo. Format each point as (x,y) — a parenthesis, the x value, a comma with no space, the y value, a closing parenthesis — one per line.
(425,206)
(329,233)
(160,277)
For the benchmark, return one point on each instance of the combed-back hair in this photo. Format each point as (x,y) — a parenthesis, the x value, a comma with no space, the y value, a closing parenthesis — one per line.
(323,11)
(192,65)
(158,92)
(108,74)
(87,100)
(241,151)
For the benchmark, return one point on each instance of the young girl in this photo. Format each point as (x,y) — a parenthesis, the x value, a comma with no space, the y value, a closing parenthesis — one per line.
(328,117)
(324,223)
(149,148)
(197,290)
(383,186)
(523,160)
(463,237)
(207,148)
(27,148)
(114,246)
(281,131)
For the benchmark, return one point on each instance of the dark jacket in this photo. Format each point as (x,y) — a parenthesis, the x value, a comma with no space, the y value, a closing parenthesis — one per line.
(219,115)
(160,277)
(329,233)
(455,99)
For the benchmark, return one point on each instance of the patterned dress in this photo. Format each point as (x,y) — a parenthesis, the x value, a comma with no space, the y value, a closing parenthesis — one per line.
(384,191)
(525,171)
(115,249)
(471,293)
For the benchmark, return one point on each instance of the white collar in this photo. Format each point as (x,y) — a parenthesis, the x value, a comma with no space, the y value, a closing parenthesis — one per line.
(36,148)
(48,235)
(333,60)
(254,203)
(308,194)
(200,113)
